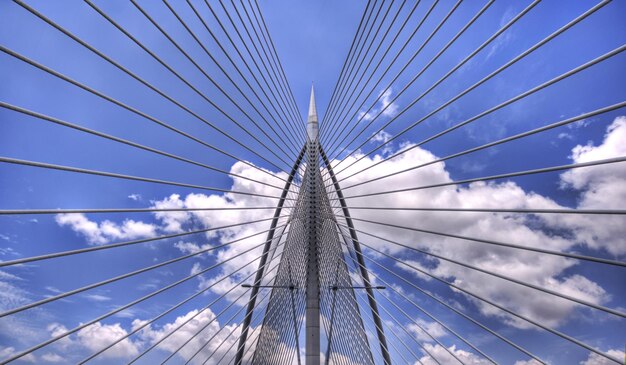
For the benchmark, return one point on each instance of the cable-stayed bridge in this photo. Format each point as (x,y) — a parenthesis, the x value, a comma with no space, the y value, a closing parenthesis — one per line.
(347,239)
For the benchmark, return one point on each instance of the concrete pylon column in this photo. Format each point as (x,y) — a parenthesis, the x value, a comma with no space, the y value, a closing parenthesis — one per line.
(312,309)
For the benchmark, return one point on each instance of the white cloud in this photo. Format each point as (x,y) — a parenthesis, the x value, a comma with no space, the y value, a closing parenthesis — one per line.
(6,352)
(443,357)
(602,188)
(6,276)
(595,359)
(98,336)
(57,329)
(52,289)
(433,328)
(97,297)
(151,334)
(135,197)
(52,357)
(172,221)
(383,137)
(13,295)
(219,218)
(101,233)
(384,101)
(527,362)
(189,247)
(542,270)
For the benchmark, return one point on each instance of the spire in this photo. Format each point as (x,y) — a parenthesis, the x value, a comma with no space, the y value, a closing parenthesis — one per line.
(312,126)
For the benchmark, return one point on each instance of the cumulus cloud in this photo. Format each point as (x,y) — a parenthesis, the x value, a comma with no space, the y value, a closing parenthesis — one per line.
(6,352)
(433,328)
(595,359)
(201,319)
(105,231)
(98,233)
(384,102)
(190,247)
(527,362)
(602,188)
(220,218)
(98,336)
(97,297)
(539,231)
(172,221)
(593,184)
(443,357)
(57,329)
(52,357)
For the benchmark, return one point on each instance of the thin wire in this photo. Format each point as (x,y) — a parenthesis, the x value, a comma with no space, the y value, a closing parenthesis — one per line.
(278,114)
(494,210)
(513,313)
(284,92)
(120,244)
(500,176)
(355,263)
(237,87)
(583,302)
(175,44)
(195,37)
(513,344)
(498,142)
(171,309)
(228,336)
(480,12)
(169,68)
(297,127)
(345,63)
(259,276)
(415,30)
(120,277)
(371,74)
(286,80)
(16,161)
(429,315)
(163,338)
(348,84)
(83,325)
(126,142)
(491,75)
(129,108)
(347,280)
(503,244)
(125,210)
(354,57)
(223,341)
(171,355)
(398,337)
(289,135)
(381,60)
(258,53)
(139,79)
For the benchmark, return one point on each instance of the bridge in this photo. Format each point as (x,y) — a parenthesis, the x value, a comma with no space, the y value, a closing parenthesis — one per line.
(460,200)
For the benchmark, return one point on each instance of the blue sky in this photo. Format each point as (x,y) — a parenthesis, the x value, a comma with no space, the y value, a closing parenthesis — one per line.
(312,40)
